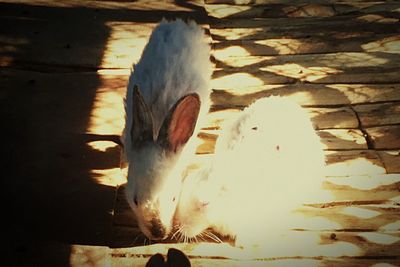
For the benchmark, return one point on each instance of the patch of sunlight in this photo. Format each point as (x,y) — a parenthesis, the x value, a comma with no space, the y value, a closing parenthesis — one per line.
(383,264)
(238,62)
(351,60)
(109,177)
(359,212)
(356,93)
(218,250)
(379,238)
(348,135)
(282,46)
(377,19)
(302,73)
(122,72)
(230,51)
(359,166)
(102,145)
(236,80)
(107,116)
(304,221)
(242,91)
(222,11)
(396,199)
(125,43)
(366,182)
(393,226)
(388,44)
(306,244)
(287,263)
(83,255)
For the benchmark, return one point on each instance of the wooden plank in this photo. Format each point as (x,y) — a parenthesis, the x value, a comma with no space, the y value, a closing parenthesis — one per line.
(357,3)
(355,21)
(201,262)
(295,9)
(315,68)
(104,35)
(378,114)
(288,244)
(232,92)
(391,160)
(353,162)
(342,139)
(301,31)
(312,45)
(104,256)
(385,137)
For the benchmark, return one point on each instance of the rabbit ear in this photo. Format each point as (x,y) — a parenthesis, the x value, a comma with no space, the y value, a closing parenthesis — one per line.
(142,120)
(180,122)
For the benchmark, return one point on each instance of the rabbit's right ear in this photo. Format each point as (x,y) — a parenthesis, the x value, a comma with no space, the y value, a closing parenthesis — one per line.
(180,123)
(142,120)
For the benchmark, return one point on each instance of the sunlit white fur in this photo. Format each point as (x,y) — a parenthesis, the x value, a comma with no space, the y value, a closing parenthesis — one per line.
(174,63)
(267,162)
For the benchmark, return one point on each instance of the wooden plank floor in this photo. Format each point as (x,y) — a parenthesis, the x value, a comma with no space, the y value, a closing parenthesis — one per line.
(339,59)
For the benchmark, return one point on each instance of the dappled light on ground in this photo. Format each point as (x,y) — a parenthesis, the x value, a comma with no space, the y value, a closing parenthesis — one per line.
(107,119)
(109,177)
(377,19)
(125,44)
(230,51)
(300,72)
(388,44)
(237,80)
(222,11)
(283,45)
(107,115)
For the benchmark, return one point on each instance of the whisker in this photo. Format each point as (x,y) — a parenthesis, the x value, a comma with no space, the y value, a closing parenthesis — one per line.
(213,237)
(175,233)
(201,236)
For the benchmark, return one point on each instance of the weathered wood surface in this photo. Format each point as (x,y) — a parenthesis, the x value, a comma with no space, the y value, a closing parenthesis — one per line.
(104,256)
(312,45)
(242,89)
(338,59)
(391,160)
(279,9)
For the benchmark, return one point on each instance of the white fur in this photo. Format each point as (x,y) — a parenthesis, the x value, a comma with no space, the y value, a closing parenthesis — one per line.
(267,162)
(174,63)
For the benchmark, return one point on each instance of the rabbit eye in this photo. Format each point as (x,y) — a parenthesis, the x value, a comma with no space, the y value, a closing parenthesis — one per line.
(277,148)
(255,128)
(135,200)
(173,199)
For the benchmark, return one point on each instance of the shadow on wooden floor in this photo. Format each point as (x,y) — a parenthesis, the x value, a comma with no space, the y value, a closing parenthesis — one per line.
(49,57)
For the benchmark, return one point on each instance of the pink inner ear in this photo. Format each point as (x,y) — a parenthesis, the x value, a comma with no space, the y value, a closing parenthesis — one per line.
(183,121)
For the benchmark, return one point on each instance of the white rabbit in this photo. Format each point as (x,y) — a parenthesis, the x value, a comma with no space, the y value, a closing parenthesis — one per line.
(267,162)
(167,98)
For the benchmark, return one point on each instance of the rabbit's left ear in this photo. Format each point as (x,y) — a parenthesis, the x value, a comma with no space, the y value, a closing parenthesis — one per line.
(142,120)
(180,123)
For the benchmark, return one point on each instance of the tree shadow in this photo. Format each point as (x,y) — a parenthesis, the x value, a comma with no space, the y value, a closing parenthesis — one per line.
(49,57)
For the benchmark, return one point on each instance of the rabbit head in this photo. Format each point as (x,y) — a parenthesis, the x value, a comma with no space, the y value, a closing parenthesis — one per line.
(154,179)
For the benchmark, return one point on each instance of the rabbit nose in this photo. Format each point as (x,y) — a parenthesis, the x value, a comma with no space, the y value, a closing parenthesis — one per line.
(158,231)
